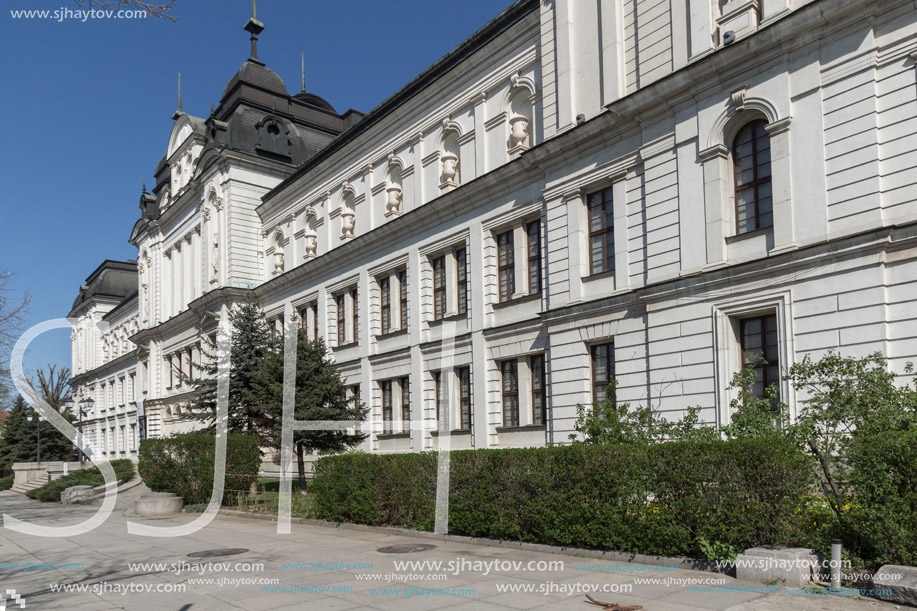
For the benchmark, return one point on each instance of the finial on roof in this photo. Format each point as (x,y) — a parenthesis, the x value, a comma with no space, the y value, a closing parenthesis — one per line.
(178,111)
(303,73)
(255,27)
(144,187)
(211,109)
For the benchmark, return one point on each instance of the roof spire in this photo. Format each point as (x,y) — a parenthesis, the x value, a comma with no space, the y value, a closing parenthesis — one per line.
(144,187)
(255,27)
(303,72)
(178,111)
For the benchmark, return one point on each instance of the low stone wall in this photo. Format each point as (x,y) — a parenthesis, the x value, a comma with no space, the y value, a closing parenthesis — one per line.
(25,472)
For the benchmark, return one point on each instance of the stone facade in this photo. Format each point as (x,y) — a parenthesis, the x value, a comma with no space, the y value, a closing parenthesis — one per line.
(649,190)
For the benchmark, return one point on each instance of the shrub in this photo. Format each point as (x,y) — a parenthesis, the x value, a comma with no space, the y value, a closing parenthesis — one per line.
(6,482)
(668,498)
(184,464)
(880,525)
(90,476)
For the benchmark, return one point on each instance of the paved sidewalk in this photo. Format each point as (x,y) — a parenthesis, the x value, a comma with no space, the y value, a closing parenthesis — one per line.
(338,569)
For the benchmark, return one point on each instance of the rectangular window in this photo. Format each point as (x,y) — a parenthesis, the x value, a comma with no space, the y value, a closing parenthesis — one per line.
(405,405)
(355,394)
(438,397)
(403,283)
(533,231)
(439,288)
(387,413)
(341,320)
(509,371)
(132,393)
(539,397)
(355,304)
(386,297)
(461,276)
(601,232)
(314,308)
(760,351)
(603,370)
(506,266)
(464,377)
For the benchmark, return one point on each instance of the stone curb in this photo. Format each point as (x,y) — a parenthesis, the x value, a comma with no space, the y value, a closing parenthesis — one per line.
(692,564)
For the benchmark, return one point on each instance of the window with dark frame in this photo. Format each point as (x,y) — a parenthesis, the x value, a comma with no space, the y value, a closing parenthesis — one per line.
(355,394)
(603,370)
(464,376)
(439,287)
(438,397)
(461,276)
(405,405)
(387,412)
(751,158)
(506,265)
(341,319)
(354,302)
(533,231)
(386,297)
(760,351)
(509,371)
(539,396)
(601,231)
(403,285)
(314,308)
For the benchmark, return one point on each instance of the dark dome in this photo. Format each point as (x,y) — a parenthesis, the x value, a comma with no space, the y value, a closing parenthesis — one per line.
(258,75)
(315,101)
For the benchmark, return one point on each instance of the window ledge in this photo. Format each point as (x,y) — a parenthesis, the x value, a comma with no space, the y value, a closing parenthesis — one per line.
(384,436)
(345,346)
(451,317)
(749,235)
(521,429)
(452,432)
(517,300)
(599,276)
(394,333)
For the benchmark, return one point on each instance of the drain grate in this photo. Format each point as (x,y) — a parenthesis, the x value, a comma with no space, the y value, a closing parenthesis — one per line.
(406,548)
(212,553)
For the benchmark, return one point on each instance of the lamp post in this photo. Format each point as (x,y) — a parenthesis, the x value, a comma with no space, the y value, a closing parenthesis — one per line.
(41,419)
(86,406)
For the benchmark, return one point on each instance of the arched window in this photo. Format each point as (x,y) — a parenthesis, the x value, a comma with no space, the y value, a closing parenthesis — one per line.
(751,158)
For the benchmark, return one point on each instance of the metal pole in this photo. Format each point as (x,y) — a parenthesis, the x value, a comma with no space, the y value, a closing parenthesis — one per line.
(79,447)
(836,549)
(39,438)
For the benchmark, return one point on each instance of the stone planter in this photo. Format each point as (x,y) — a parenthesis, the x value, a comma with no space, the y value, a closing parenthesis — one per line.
(159,504)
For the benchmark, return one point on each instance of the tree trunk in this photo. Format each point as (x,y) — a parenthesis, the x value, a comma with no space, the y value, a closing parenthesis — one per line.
(301,460)
(829,478)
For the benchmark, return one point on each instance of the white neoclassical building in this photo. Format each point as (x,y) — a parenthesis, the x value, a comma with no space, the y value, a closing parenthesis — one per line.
(658,191)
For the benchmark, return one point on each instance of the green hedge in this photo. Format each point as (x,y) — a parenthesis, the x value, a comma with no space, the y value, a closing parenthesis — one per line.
(669,498)
(880,523)
(184,465)
(6,482)
(90,476)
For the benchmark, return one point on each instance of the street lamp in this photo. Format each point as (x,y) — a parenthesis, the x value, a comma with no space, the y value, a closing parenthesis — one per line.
(41,419)
(86,406)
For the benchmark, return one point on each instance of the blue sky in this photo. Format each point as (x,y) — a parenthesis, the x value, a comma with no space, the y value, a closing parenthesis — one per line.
(88,107)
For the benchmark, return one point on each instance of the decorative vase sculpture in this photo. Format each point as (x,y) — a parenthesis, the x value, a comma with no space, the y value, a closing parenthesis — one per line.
(519,131)
(311,245)
(278,263)
(393,202)
(450,169)
(347,224)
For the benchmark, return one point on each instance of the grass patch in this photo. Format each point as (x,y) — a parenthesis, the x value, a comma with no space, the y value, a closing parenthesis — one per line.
(6,482)
(50,492)
(301,505)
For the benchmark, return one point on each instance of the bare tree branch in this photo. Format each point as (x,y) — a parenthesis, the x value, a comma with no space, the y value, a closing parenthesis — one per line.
(54,385)
(12,317)
(159,11)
